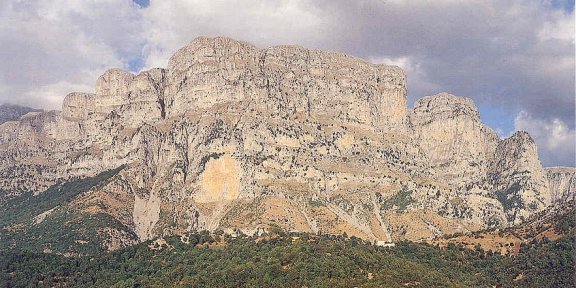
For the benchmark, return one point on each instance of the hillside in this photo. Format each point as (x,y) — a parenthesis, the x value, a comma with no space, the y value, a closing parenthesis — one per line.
(47,223)
(548,225)
(295,260)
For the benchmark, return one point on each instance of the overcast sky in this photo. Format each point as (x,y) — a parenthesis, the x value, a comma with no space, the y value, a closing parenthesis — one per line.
(515,59)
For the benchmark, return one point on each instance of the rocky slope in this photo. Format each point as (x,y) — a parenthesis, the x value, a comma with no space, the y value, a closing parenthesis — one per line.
(230,136)
(547,225)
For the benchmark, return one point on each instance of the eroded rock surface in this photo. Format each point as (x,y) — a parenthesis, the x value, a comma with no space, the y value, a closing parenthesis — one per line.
(562,181)
(230,136)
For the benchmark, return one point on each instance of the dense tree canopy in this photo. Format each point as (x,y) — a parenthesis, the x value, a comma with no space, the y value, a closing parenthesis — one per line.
(294,260)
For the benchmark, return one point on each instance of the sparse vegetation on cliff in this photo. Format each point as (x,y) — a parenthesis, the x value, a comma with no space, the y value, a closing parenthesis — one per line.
(400,200)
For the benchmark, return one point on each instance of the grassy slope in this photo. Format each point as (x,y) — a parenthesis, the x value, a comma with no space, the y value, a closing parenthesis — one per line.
(60,229)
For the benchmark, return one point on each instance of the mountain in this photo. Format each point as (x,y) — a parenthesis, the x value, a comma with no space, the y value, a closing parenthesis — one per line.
(233,137)
(10,112)
(562,181)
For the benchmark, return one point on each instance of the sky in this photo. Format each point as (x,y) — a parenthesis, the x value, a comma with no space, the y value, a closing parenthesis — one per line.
(514,58)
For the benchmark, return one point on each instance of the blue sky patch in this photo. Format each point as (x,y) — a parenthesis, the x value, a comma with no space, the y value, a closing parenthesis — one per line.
(136,64)
(142,3)
(566,5)
(500,119)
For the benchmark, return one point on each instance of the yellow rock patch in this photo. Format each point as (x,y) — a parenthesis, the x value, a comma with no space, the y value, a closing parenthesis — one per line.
(220,180)
(345,142)
(287,141)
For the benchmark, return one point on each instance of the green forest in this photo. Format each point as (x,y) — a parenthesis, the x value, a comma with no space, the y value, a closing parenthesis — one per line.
(293,260)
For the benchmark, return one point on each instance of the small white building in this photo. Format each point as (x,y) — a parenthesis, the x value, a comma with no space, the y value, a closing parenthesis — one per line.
(383,243)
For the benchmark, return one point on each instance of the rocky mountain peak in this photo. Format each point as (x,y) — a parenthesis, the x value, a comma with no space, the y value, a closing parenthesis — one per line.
(114,82)
(521,149)
(450,131)
(522,137)
(518,177)
(445,105)
(204,49)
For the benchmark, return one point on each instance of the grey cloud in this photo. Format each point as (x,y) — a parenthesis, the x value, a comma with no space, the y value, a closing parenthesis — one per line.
(488,50)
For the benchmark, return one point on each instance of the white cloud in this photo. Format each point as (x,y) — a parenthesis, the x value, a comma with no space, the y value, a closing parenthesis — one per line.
(47,43)
(402,62)
(559,27)
(417,78)
(171,24)
(51,95)
(556,141)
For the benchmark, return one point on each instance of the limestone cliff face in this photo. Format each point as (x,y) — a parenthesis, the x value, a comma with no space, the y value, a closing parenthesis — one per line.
(78,106)
(562,181)
(231,136)
(285,80)
(122,97)
(501,180)
(458,144)
(518,177)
